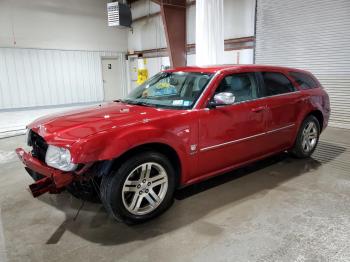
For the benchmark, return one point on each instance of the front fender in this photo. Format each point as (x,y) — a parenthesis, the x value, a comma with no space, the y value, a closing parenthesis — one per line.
(113,143)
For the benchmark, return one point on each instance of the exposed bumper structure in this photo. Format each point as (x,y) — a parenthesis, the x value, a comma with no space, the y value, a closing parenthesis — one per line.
(51,180)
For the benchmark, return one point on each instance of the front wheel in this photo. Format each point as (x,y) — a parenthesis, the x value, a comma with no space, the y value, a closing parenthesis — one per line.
(140,189)
(307,138)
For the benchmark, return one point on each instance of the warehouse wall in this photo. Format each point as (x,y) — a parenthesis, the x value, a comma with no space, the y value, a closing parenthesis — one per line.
(239,19)
(244,56)
(50,51)
(149,33)
(39,77)
(64,24)
(144,7)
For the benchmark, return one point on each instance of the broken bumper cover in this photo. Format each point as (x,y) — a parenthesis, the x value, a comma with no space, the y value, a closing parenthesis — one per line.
(51,180)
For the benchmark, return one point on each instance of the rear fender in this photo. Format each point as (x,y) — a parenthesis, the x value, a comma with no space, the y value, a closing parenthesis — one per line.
(313,104)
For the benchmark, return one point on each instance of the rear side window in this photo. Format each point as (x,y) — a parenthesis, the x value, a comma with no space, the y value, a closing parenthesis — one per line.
(304,80)
(276,83)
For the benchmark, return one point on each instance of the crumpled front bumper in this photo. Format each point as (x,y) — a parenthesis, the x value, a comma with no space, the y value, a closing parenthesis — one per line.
(51,180)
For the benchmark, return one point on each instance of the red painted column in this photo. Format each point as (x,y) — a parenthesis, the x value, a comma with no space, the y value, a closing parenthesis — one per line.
(174,20)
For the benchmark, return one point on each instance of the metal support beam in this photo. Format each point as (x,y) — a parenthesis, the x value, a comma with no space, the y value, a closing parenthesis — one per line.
(174,20)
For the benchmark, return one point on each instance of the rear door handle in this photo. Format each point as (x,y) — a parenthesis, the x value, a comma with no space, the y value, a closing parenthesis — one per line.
(258,109)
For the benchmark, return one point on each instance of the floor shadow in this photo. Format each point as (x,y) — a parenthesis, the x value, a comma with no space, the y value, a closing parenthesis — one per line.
(227,177)
(327,152)
(192,203)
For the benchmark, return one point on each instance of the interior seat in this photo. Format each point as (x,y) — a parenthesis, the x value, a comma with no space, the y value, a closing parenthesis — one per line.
(241,88)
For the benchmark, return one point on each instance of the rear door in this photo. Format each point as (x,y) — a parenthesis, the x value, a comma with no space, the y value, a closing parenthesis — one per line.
(283,104)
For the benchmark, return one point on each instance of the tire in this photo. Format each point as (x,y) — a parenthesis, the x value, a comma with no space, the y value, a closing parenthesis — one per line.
(85,190)
(307,139)
(127,193)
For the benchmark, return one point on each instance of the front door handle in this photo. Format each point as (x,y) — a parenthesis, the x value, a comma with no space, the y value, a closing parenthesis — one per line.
(258,109)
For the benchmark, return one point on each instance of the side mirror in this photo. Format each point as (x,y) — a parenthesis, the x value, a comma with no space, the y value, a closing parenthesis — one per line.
(224,98)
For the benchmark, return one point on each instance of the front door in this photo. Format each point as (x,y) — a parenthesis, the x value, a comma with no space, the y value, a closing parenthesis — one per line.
(111,72)
(232,134)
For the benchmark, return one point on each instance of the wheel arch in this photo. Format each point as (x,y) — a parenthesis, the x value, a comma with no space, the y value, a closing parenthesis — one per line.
(106,166)
(314,112)
(319,116)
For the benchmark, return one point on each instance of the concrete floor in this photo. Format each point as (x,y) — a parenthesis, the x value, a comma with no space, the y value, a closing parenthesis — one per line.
(280,209)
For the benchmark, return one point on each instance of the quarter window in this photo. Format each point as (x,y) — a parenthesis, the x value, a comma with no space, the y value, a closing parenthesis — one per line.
(243,86)
(276,83)
(303,80)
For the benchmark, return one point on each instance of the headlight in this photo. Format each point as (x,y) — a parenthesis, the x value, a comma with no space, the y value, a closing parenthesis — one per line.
(60,158)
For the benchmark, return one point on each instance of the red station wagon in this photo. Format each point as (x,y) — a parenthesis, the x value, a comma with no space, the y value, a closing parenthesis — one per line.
(180,127)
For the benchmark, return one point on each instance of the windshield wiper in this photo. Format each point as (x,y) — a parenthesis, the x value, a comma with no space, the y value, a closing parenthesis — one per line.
(138,103)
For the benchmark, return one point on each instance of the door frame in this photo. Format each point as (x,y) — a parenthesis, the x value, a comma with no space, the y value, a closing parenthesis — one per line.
(122,64)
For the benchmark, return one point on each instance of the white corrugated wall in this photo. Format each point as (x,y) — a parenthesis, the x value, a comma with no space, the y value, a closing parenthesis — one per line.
(40,77)
(313,35)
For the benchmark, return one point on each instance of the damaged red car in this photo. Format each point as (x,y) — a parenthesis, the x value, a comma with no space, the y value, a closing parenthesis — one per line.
(180,127)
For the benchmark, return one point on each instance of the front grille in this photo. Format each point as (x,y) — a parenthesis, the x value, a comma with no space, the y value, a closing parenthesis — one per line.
(38,144)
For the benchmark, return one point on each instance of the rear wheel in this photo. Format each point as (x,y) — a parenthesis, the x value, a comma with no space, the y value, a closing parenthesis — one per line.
(307,138)
(140,189)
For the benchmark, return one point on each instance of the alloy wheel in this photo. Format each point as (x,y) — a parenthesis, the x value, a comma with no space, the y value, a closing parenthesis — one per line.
(145,188)
(309,139)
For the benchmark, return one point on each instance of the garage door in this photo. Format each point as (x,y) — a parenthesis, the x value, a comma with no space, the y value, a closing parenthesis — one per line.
(312,35)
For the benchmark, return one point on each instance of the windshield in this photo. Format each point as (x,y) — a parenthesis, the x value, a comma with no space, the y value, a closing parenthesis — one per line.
(170,90)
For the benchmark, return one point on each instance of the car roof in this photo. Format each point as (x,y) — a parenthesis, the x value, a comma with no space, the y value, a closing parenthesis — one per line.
(216,68)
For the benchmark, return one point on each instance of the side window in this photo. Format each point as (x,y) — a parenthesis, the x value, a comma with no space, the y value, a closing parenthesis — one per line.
(194,85)
(304,81)
(276,83)
(243,86)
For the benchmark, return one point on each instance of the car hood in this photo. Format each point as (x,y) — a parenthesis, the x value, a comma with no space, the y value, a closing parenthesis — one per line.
(81,123)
